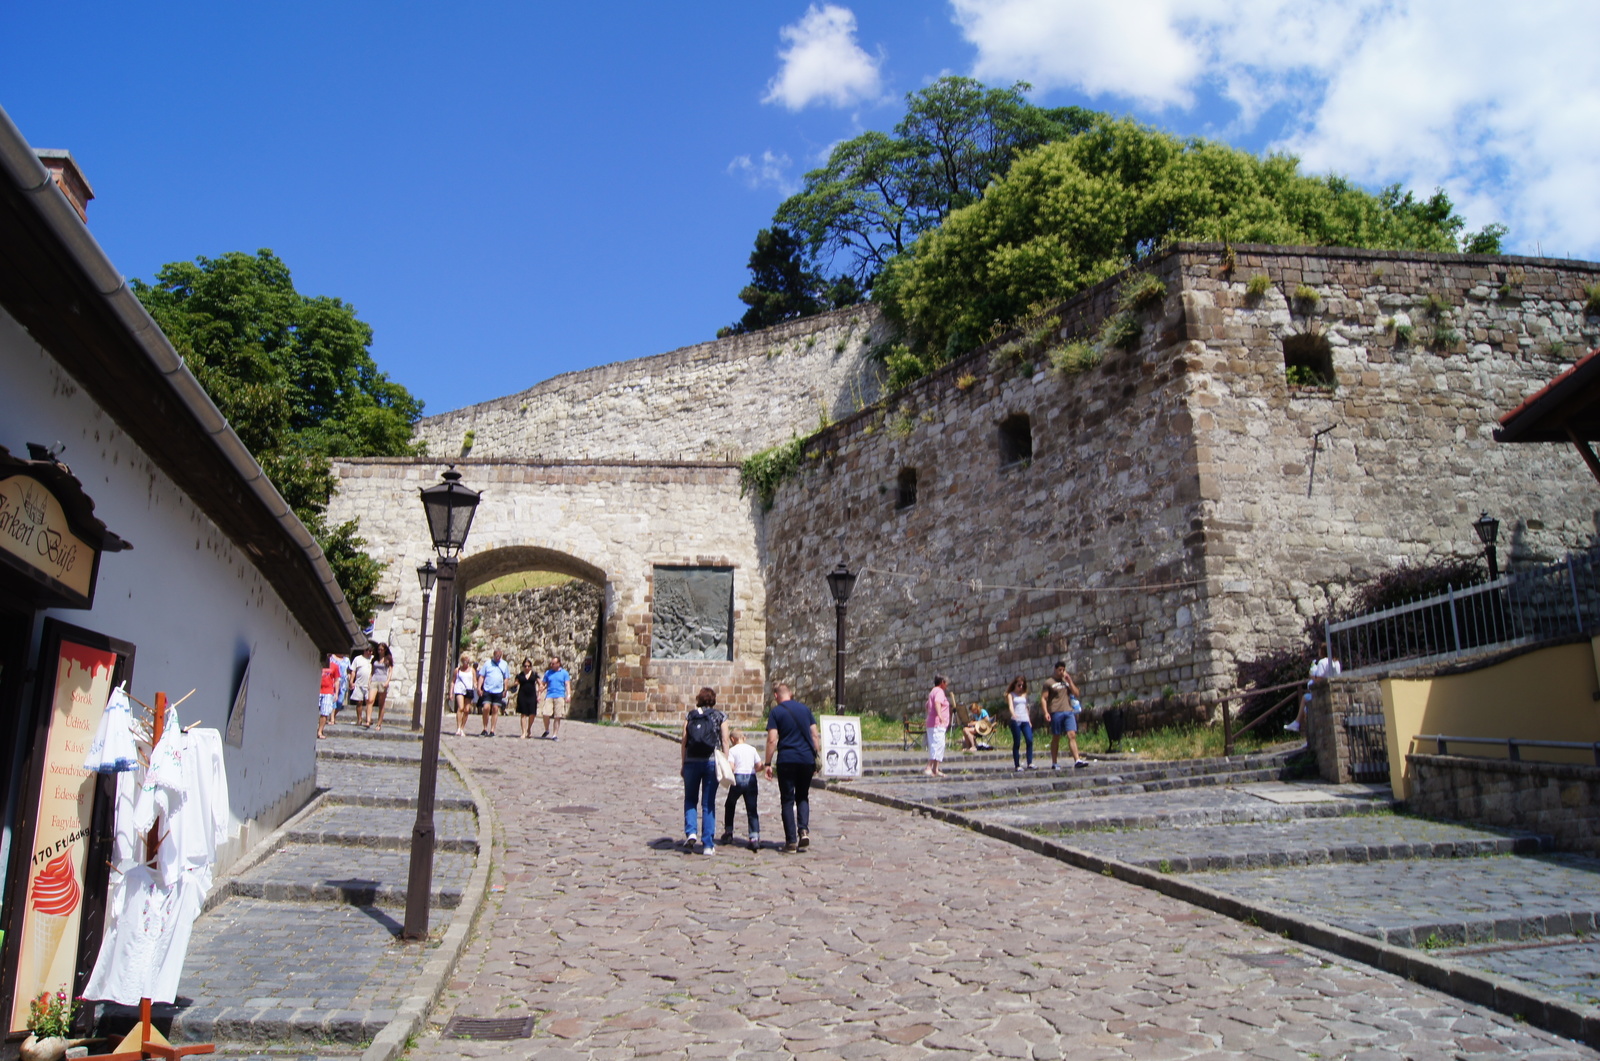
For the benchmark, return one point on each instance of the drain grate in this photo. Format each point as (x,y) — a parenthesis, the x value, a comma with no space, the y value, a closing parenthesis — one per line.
(574,809)
(489,1028)
(1277,960)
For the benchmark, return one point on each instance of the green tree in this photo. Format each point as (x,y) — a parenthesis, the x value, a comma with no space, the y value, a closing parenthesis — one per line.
(781,287)
(1078,210)
(879,192)
(293,375)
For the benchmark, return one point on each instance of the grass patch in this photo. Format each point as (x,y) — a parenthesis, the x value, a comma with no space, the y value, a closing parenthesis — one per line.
(1172,742)
(519,580)
(1258,285)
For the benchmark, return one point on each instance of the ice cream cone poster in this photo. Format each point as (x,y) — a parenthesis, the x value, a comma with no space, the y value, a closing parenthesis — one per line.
(53,906)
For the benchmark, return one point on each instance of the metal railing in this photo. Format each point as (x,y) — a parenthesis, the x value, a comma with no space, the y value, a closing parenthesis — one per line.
(1521,607)
(1512,745)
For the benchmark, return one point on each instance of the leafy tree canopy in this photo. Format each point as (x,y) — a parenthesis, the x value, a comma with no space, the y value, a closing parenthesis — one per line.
(293,375)
(1078,210)
(783,288)
(879,192)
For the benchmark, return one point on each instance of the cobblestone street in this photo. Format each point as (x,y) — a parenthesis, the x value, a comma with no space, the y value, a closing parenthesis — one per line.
(895,936)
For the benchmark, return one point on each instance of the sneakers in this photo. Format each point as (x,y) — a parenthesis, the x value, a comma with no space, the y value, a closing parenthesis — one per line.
(805,841)
(1081,762)
(1055,766)
(709,849)
(755,843)
(689,841)
(1030,766)
(1293,727)
(726,838)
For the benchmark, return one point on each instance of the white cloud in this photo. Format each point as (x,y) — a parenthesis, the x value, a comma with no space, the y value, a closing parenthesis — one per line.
(768,170)
(1496,102)
(822,63)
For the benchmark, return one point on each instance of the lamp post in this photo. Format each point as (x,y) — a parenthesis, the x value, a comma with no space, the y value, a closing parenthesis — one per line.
(840,582)
(449,507)
(426,573)
(1488,529)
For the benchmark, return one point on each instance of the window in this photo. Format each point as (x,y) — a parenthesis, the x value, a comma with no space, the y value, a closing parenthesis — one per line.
(1308,361)
(906,495)
(1016,439)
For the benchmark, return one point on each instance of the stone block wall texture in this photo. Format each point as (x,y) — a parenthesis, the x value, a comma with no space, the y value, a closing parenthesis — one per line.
(713,401)
(1329,740)
(1554,799)
(541,622)
(1168,524)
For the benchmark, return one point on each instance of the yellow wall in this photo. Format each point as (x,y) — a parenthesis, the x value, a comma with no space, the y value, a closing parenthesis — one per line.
(1544,695)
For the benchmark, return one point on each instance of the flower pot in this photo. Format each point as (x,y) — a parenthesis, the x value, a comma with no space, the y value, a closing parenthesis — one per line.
(50,1048)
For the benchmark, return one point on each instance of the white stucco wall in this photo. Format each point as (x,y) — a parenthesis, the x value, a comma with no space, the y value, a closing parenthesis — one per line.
(192,603)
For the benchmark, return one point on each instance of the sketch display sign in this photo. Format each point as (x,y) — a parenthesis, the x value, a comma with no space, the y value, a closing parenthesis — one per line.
(692,613)
(841,745)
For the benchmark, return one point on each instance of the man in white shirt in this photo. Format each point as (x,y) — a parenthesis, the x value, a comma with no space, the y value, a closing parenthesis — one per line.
(1321,671)
(361,686)
(492,678)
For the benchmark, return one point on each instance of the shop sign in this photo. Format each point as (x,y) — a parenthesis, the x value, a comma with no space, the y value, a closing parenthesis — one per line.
(841,745)
(33,528)
(52,909)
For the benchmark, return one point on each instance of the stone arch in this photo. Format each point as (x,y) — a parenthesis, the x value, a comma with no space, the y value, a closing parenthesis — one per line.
(488,565)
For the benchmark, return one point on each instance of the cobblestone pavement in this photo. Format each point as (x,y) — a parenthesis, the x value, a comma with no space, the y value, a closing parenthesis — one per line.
(1353,838)
(1455,900)
(1569,966)
(1194,806)
(895,936)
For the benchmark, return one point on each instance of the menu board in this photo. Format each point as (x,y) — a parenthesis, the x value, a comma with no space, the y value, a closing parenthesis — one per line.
(52,910)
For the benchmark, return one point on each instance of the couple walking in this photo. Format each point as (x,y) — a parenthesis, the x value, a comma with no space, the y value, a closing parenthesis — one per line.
(793,744)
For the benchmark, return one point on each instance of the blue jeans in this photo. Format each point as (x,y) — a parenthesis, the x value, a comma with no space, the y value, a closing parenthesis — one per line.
(1021,731)
(743,785)
(794,794)
(700,784)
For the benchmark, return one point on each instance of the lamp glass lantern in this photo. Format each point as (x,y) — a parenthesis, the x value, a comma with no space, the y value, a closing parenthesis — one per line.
(1488,528)
(449,506)
(426,575)
(841,582)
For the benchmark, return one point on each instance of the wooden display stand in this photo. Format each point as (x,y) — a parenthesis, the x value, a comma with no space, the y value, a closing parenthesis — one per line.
(144,1040)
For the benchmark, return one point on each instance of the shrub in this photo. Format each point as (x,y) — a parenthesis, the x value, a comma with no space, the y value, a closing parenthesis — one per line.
(762,473)
(1307,296)
(1121,330)
(1258,285)
(1591,295)
(1403,333)
(1141,292)
(1075,357)
(1435,305)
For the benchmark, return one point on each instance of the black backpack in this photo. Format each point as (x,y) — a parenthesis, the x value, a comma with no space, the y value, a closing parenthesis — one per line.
(704,735)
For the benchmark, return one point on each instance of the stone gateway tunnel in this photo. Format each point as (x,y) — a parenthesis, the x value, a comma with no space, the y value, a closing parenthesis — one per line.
(673,547)
(1276,427)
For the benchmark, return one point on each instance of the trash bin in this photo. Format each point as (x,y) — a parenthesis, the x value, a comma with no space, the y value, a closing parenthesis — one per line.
(1116,724)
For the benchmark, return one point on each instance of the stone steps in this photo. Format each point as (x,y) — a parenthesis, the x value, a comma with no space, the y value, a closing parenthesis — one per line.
(299,873)
(386,828)
(1169,784)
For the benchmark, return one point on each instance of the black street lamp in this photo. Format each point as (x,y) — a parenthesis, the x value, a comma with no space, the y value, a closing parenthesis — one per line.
(426,573)
(449,507)
(1488,529)
(840,583)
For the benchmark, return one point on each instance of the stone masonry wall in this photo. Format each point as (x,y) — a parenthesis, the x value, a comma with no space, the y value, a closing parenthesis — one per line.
(718,400)
(1162,530)
(999,568)
(1410,460)
(1554,799)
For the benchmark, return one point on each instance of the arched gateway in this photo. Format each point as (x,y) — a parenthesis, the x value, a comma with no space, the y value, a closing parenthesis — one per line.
(673,545)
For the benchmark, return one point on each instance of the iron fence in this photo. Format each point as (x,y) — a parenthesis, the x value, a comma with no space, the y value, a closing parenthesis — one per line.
(1521,607)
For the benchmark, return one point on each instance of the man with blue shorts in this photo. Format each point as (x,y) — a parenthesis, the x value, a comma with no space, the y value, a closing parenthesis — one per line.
(1061,703)
(553,708)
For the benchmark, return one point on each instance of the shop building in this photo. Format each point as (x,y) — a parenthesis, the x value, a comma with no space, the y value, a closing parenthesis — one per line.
(139,541)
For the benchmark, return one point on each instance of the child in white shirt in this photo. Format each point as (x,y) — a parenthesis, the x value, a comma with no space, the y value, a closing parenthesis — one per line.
(746,761)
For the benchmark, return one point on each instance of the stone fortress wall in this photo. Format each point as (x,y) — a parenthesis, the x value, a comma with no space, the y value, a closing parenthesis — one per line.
(719,400)
(1162,529)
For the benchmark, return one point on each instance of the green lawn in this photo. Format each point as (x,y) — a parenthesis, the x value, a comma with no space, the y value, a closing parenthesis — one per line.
(519,580)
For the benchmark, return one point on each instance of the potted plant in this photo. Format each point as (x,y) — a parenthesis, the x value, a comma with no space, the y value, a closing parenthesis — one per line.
(49,1024)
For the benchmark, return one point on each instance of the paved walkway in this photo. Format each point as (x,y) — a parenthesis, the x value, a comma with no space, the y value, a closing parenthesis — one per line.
(896,936)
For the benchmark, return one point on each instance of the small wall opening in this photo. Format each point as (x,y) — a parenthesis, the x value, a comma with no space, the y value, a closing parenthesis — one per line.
(1308,361)
(1016,439)
(906,491)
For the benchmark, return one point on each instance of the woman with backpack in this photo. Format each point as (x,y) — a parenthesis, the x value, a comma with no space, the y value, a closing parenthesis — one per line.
(704,731)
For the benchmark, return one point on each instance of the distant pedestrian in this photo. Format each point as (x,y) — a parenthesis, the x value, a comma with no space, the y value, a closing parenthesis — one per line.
(937,723)
(1021,720)
(554,707)
(327,696)
(1061,705)
(343,692)
(491,686)
(361,686)
(464,689)
(527,697)
(793,744)
(1323,669)
(746,761)
(705,729)
(382,661)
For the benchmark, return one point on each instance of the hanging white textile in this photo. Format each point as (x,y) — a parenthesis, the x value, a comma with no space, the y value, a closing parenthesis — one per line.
(184,796)
(112,749)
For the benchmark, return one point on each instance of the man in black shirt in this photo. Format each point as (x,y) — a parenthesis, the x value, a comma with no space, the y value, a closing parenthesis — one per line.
(793,744)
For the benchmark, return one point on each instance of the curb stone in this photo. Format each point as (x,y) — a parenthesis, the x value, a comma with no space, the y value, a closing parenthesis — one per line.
(1498,993)
(413,1012)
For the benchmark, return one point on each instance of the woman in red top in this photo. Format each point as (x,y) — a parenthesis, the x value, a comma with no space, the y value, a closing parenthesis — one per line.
(327,696)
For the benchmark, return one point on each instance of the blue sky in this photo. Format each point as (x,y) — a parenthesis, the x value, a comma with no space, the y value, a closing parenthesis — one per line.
(510,191)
